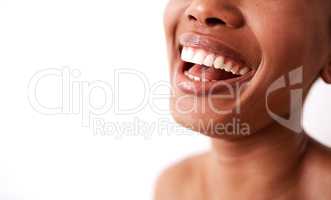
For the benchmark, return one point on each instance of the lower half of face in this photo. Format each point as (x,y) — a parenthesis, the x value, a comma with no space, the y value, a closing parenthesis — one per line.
(236,69)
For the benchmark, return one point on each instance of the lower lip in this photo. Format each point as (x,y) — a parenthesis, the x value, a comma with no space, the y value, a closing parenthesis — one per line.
(199,88)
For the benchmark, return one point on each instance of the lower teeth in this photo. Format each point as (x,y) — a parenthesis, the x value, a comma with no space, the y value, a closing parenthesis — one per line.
(195,78)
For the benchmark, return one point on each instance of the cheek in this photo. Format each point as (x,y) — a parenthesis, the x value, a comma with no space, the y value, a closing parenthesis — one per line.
(283,42)
(172,14)
(290,37)
(290,44)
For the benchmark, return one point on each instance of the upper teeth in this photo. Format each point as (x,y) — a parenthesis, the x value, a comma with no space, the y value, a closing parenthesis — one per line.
(202,57)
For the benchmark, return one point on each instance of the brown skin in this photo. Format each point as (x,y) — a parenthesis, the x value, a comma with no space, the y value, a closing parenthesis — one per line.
(272,162)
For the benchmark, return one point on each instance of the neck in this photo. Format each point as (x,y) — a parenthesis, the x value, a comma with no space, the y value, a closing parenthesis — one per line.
(260,162)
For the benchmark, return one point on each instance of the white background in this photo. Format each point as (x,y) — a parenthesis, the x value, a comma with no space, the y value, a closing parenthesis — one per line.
(46,157)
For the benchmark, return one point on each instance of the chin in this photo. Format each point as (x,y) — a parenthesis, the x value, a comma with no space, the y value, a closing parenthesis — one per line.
(214,125)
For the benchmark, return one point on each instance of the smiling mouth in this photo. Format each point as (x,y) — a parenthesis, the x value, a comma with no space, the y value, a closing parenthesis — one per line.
(209,66)
(205,66)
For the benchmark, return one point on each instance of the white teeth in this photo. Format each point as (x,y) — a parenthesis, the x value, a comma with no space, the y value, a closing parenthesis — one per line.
(199,57)
(189,75)
(195,78)
(187,54)
(235,69)
(219,62)
(244,71)
(209,60)
(202,57)
(228,67)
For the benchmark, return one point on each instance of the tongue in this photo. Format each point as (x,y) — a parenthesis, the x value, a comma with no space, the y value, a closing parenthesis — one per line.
(210,73)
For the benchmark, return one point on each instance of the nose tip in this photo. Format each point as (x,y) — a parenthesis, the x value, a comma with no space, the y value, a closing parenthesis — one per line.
(213,13)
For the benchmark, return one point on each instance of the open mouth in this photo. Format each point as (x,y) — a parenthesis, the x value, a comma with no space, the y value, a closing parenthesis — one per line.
(205,66)
(208,66)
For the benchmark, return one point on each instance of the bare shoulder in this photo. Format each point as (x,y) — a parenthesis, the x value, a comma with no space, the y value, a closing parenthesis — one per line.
(317,171)
(174,182)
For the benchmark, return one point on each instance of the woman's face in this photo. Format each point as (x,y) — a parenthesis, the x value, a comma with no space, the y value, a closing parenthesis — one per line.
(227,55)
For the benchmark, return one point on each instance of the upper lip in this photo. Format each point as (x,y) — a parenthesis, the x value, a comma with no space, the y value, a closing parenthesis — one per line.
(211,44)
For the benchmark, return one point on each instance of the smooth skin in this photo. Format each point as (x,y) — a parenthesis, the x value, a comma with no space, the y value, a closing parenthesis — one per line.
(273,162)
